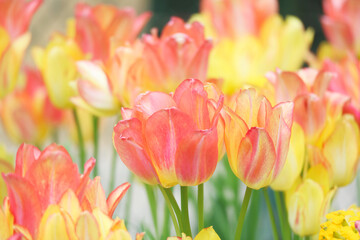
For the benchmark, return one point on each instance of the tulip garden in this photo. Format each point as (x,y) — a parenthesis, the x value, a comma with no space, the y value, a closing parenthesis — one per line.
(221,126)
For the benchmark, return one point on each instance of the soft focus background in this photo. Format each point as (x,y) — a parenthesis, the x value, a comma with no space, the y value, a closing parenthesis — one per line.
(52,16)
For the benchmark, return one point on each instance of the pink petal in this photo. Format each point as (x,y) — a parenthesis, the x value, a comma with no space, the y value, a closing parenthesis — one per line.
(89,165)
(95,196)
(24,202)
(115,197)
(130,145)
(26,155)
(198,67)
(197,157)
(52,174)
(256,158)
(191,97)
(164,130)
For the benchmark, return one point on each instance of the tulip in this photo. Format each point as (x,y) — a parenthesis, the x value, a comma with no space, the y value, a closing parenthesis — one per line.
(180,52)
(244,61)
(27,114)
(306,207)
(170,140)
(231,19)
(205,234)
(257,138)
(14,39)
(341,23)
(95,90)
(57,65)
(44,182)
(341,150)
(99,27)
(7,220)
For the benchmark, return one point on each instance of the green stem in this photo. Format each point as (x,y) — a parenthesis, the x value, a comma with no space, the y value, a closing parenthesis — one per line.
(129,194)
(286,234)
(243,213)
(271,213)
(81,141)
(169,205)
(200,207)
(175,207)
(166,227)
(153,207)
(185,210)
(113,169)
(96,142)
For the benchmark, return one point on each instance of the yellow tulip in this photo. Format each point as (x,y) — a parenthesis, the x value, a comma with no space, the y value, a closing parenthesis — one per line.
(57,64)
(341,150)
(244,61)
(307,201)
(294,161)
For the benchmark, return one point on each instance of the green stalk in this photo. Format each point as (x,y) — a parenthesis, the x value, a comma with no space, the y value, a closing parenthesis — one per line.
(175,207)
(81,141)
(169,205)
(153,207)
(166,227)
(185,210)
(286,234)
(200,207)
(242,214)
(96,142)
(271,213)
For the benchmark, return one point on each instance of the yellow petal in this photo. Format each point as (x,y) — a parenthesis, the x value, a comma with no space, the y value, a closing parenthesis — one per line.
(70,204)
(207,234)
(87,227)
(342,152)
(294,161)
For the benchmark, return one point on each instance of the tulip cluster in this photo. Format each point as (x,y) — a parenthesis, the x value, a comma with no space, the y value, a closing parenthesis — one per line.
(221,100)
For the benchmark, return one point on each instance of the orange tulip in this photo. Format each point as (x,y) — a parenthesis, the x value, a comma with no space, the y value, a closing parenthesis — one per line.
(43,179)
(257,137)
(170,139)
(97,27)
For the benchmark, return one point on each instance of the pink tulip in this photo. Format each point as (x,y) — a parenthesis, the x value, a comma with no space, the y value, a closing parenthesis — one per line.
(170,139)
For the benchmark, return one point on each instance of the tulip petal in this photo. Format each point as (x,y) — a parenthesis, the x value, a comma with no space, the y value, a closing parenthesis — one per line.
(191,98)
(151,102)
(95,196)
(70,204)
(53,225)
(86,227)
(129,144)
(52,174)
(164,130)
(256,158)
(207,234)
(25,157)
(199,65)
(24,202)
(235,130)
(115,197)
(197,157)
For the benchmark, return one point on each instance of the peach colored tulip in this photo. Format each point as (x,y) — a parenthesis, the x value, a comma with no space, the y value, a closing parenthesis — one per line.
(27,114)
(47,178)
(99,26)
(14,39)
(170,139)
(341,24)
(236,18)
(180,52)
(257,137)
